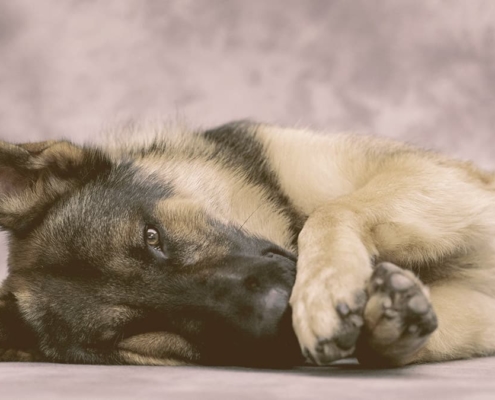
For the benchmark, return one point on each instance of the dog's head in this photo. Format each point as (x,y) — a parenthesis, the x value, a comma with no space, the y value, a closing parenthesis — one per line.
(111,263)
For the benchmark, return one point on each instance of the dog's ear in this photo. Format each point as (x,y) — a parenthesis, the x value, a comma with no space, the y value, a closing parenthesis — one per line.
(17,340)
(33,175)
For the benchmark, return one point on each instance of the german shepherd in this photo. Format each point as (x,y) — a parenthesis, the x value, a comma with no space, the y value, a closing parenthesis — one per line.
(183,249)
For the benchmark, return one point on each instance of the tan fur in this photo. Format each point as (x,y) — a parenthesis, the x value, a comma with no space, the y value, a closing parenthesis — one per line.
(416,209)
(364,200)
(210,184)
(157,348)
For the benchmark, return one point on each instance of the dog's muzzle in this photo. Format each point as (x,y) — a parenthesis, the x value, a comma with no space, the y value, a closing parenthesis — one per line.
(245,312)
(251,293)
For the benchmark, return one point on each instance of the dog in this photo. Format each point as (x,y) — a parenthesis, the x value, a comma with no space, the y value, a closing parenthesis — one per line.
(247,244)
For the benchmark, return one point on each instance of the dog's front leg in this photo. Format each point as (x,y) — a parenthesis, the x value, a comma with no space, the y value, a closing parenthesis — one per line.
(335,262)
(396,218)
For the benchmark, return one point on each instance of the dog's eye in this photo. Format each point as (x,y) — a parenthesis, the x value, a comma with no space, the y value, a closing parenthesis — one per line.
(152,237)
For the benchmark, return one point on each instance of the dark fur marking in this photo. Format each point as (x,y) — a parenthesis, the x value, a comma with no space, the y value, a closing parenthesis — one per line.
(236,145)
(94,165)
(114,196)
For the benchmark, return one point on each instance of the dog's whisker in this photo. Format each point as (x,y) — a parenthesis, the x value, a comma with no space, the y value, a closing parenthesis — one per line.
(250,216)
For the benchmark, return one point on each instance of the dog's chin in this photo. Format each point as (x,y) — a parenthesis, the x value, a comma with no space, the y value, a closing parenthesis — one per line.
(280,349)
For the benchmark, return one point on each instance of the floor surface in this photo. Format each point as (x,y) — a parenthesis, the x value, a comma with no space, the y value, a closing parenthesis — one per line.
(469,379)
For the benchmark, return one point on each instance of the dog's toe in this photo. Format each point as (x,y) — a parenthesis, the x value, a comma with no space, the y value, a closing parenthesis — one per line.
(398,317)
(340,342)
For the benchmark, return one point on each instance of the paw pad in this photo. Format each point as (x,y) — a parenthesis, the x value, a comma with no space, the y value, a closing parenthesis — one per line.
(398,316)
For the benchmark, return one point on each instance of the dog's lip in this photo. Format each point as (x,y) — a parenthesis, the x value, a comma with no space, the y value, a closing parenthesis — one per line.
(280,252)
(289,260)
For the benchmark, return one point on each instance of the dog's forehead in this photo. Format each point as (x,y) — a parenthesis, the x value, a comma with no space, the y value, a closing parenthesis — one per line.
(121,194)
(102,216)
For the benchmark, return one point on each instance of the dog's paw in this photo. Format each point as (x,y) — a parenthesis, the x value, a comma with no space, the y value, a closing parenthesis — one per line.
(398,318)
(327,315)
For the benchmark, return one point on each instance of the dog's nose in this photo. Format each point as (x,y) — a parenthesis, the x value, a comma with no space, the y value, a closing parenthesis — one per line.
(252,293)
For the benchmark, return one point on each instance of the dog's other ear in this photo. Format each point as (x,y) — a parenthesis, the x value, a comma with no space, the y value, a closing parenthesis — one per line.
(17,340)
(33,175)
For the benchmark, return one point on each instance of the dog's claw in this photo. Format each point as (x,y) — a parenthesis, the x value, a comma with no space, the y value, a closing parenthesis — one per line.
(343,309)
(357,320)
(387,303)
